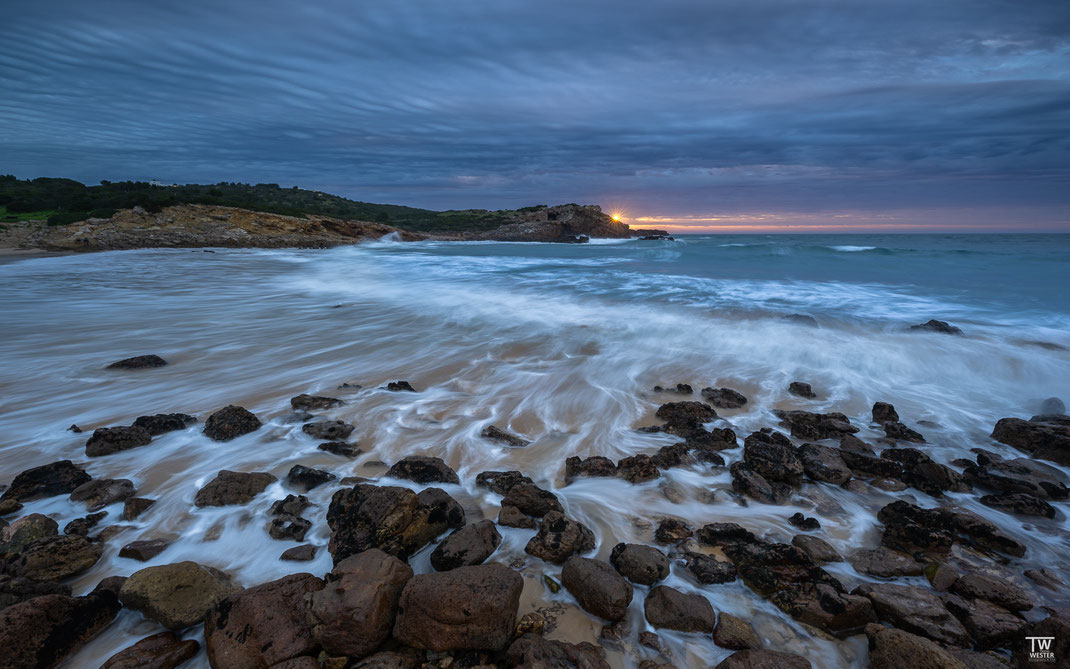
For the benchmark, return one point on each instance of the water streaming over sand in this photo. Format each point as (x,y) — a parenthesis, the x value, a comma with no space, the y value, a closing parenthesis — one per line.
(558,343)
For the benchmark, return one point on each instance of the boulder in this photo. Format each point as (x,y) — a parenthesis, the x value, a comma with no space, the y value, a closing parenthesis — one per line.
(708,570)
(18,535)
(801,389)
(559,538)
(423,469)
(919,471)
(342,448)
(823,463)
(302,553)
(55,558)
(597,587)
(305,402)
(15,589)
(329,430)
(497,434)
(941,576)
(306,478)
(43,631)
(531,651)
(596,465)
(1021,503)
(1018,475)
(531,500)
(159,651)
(763,659)
(229,488)
(668,608)
(804,523)
(510,516)
(354,614)
(395,520)
(139,362)
(637,468)
(387,660)
(900,432)
(940,327)
(468,608)
(466,546)
(989,625)
(58,478)
(885,562)
(890,648)
(735,633)
(772,457)
(724,398)
(83,525)
(884,412)
(915,530)
(719,534)
(291,505)
(640,564)
(143,551)
(230,422)
(100,493)
(999,591)
(108,440)
(816,549)
(162,423)
(500,482)
(263,625)
(400,386)
(176,595)
(915,610)
(1046,437)
(748,482)
(286,527)
(816,426)
(684,418)
(135,506)
(671,531)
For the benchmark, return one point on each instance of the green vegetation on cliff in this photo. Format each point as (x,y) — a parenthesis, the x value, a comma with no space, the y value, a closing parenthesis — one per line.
(64,201)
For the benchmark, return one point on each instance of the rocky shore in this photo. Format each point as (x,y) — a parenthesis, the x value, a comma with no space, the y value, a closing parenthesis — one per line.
(204,226)
(943,588)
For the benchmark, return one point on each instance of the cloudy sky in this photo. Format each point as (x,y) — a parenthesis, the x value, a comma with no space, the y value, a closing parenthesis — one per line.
(946,114)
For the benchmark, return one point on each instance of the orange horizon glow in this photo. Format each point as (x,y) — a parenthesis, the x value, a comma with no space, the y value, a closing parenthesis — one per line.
(828,222)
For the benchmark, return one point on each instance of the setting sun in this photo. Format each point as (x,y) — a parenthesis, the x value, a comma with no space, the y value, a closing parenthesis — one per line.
(616,216)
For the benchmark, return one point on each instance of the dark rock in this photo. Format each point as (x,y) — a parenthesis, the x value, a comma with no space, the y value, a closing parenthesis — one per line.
(466,546)
(816,549)
(230,422)
(9,505)
(896,430)
(822,463)
(162,423)
(355,613)
(285,527)
(531,651)
(229,488)
(305,402)
(668,608)
(302,553)
(291,505)
(596,465)
(15,589)
(941,576)
(650,640)
(1056,626)
(135,506)
(345,449)
(468,608)
(43,631)
(1044,578)
(801,389)
(1020,503)
(915,610)
(763,659)
(497,434)
(423,469)
(683,418)
(139,362)
(884,412)
(510,516)
(816,426)
(399,386)
(1047,439)
(890,648)
(532,500)
(912,529)
(942,327)
(724,398)
(671,531)
(143,551)
(719,534)
(981,533)
(637,469)
(748,482)
(1017,475)
(559,538)
(100,493)
(675,455)
(772,458)
(871,466)
(885,562)
(804,523)
(107,440)
(176,595)
(395,520)
(55,558)
(83,525)
(307,478)
(159,651)
(989,625)
(641,564)
(18,535)
(263,625)
(735,633)
(297,417)
(597,587)
(708,570)
(330,430)
(500,482)
(75,429)
(919,471)
(994,589)
(853,444)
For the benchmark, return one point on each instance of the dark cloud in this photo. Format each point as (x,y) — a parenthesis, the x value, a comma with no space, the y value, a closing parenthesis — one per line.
(939,110)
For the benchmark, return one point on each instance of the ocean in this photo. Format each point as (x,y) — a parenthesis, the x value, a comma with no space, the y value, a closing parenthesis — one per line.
(559,343)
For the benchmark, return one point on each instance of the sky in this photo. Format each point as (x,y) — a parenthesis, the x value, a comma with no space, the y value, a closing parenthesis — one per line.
(710,115)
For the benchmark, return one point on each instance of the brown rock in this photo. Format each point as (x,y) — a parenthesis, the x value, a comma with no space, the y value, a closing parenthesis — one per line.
(559,538)
(671,531)
(496,434)
(996,590)
(229,488)
(532,500)
(135,506)
(915,610)
(159,651)
(468,608)
(816,548)
(57,478)
(18,535)
(597,587)
(176,595)
(510,516)
(801,389)
(990,626)
(306,402)
(355,612)
(500,482)
(43,631)
(100,493)
(328,430)
(708,570)
(139,362)
(1046,437)
(143,551)
(531,651)
(885,562)
(15,589)
(823,463)
(466,546)
(302,553)
(231,422)
(724,398)
(735,633)
(884,412)
(640,564)
(55,558)
(763,659)
(423,469)
(108,440)
(890,648)
(669,608)
(941,576)
(163,423)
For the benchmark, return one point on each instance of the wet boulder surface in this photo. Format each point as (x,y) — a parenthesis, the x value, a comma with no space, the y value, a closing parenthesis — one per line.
(597,587)
(231,422)
(45,630)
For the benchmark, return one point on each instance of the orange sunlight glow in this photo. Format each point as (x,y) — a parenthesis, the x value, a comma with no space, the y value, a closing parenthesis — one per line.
(842,222)
(616,216)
